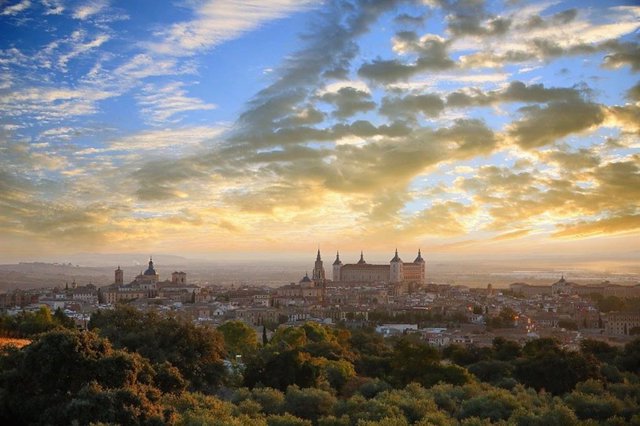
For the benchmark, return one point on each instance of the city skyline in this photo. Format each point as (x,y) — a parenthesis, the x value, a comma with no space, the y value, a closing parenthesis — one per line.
(466,128)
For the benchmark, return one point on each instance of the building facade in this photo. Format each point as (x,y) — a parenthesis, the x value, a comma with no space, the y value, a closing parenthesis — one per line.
(395,272)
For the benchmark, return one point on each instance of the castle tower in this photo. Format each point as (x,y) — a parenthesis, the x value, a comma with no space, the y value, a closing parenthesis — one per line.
(119,276)
(396,274)
(318,270)
(337,265)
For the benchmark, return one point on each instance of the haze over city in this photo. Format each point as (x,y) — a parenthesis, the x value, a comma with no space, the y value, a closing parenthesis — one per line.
(220,130)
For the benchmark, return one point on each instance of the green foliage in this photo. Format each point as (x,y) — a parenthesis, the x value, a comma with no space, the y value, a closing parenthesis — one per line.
(493,405)
(548,367)
(66,376)
(239,338)
(282,369)
(197,352)
(412,361)
(465,355)
(286,420)
(26,324)
(589,406)
(492,371)
(630,357)
(601,350)
(309,403)
(505,350)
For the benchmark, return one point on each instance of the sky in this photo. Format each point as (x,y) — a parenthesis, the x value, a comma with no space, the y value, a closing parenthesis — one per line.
(504,129)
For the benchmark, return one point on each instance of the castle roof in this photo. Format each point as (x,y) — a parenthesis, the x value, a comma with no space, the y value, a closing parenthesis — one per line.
(337,261)
(419,259)
(396,258)
(361,261)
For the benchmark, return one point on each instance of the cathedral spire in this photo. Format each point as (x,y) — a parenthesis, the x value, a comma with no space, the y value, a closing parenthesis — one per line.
(318,256)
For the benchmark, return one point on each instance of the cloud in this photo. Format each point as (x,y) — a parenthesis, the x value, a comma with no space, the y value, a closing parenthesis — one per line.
(163,140)
(48,103)
(432,55)
(167,103)
(217,21)
(90,9)
(78,47)
(428,104)
(406,19)
(349,101)
(511,235)
(16,8)
(53,7)
(623,54)
(607,226)
(441,219)
(633,94)
(544,125)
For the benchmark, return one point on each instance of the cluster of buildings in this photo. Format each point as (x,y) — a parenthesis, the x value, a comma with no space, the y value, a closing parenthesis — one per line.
(394,296)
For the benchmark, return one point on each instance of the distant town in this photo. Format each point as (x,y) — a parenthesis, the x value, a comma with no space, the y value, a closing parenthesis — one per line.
(395,297)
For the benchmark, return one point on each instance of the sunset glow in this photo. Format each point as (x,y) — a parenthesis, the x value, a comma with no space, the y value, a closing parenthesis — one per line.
(208,128)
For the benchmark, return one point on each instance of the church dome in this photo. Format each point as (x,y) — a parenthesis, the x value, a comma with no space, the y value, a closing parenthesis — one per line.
(305,279)
(150,270)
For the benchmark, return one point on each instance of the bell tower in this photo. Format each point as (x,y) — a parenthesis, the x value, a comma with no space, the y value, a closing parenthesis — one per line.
(318,270)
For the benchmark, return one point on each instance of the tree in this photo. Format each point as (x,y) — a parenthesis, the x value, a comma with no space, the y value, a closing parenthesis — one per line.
(281,369)
(48,381)
(505,350)
(630,357)
(197,352)
(239,338)
(309,403)
(599,349)
(554,369)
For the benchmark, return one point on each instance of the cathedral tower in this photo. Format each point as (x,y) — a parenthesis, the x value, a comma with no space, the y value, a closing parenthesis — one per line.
(318,270)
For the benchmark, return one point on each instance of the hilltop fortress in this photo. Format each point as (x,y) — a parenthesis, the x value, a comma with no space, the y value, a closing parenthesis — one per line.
(395,272)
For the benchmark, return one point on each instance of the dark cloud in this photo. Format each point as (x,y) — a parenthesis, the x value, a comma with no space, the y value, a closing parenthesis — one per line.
(387,71)
(430,105)
(544,125)
(470,17)
(622,53)
(538,22)
(349,101)
(406,19)
(515,92)
(633,94)
(432,54)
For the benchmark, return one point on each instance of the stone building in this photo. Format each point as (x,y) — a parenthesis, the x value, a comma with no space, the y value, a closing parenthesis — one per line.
(395,272)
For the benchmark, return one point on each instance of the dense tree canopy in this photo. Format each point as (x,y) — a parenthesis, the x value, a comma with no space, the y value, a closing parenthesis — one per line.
(197,352)
(131,370)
